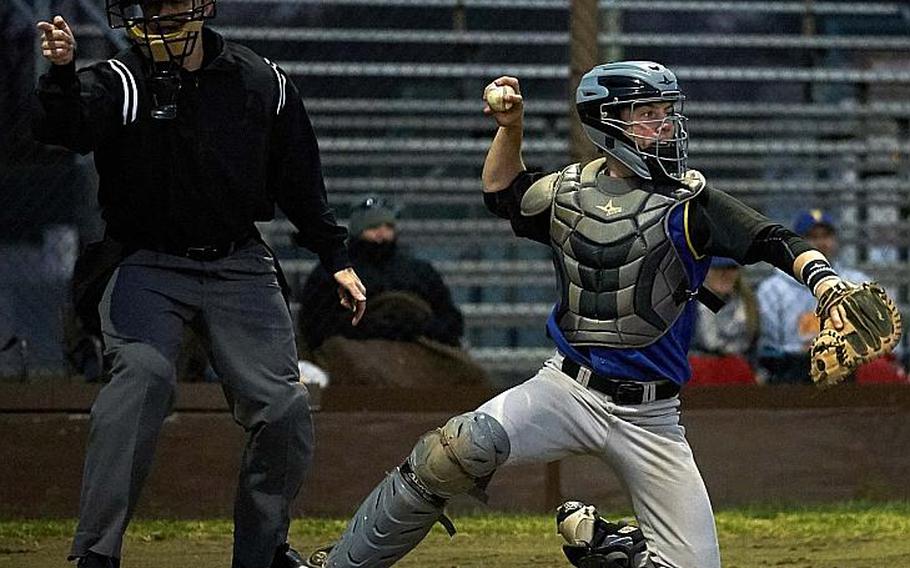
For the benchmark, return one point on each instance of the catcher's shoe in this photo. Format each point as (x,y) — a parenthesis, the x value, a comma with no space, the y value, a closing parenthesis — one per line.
(93,560)
(319,557)
(593,542)
(287,557)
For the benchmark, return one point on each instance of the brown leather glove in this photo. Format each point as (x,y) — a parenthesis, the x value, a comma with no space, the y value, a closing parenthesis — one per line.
(872,328)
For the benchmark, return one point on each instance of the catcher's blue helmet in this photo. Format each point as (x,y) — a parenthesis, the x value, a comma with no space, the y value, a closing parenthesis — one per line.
(606,90)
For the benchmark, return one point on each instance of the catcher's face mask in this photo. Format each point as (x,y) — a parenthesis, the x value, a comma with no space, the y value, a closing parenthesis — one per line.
(632,110)
(657,128)
(167,32)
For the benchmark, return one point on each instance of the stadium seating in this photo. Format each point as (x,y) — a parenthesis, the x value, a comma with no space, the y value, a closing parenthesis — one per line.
(791,103)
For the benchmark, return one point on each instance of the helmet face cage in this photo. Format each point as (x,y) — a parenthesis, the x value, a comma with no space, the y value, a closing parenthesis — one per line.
(669,154)
(128,13)
(607,92)
(166,39)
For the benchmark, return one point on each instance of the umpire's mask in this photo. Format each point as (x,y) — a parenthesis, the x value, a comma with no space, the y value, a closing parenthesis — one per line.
(632,110)
(167,32)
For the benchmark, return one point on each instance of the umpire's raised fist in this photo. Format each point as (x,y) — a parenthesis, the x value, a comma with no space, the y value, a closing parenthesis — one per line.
(58,44)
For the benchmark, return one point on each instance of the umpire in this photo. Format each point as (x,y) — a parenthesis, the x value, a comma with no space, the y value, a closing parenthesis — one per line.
(194,138)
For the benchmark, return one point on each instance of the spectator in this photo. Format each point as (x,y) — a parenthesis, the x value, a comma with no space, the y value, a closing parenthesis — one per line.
(724,343)
(787,308)
(412,320)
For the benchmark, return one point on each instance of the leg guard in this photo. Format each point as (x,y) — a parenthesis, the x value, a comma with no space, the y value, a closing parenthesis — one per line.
(402,509)
(389,523)
(592,542)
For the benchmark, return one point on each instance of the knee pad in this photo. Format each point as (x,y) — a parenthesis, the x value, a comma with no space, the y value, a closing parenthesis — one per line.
(592,542)
(450,460)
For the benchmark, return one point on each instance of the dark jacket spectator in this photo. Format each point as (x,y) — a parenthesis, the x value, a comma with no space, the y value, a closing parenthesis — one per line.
(408,298)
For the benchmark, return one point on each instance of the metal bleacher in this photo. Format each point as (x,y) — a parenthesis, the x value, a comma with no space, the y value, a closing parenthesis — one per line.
(792,104)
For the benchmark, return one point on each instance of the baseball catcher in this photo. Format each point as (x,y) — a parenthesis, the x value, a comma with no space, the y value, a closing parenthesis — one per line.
(632,235)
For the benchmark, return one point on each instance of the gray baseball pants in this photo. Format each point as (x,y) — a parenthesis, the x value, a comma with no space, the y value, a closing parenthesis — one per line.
(551,416)
(238,302)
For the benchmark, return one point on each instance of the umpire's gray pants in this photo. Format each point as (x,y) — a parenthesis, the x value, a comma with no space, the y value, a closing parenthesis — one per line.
(239,304)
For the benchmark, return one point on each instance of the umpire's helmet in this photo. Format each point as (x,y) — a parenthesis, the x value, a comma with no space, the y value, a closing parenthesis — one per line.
(608,89)
(165,38)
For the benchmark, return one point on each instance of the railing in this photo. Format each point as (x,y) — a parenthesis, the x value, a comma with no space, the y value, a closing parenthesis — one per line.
(817,8)
(415,187)
(538,107)
(561,39)
(558,146)
(561,72)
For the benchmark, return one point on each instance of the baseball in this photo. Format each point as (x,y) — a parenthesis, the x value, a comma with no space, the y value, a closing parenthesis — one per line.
(496,97)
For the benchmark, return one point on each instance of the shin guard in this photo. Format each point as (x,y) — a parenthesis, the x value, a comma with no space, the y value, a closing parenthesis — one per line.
(393,520)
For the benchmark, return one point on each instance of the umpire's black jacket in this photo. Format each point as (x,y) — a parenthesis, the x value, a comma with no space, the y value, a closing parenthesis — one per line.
(241,142)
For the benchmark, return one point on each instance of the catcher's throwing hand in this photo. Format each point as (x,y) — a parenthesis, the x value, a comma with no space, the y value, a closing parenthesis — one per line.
(351,293)
(58,44)
(514,101)
(859,323)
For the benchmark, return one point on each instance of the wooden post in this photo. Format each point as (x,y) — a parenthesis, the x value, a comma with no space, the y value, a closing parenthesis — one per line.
(584,25)
(552,486)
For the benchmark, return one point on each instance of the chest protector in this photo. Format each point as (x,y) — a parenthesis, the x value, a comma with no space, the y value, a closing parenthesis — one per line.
(622,283)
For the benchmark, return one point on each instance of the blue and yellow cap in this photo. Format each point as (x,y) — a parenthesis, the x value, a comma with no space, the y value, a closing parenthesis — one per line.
(810,218)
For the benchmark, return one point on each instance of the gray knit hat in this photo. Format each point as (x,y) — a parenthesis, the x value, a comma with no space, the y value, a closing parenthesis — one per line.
(372,212)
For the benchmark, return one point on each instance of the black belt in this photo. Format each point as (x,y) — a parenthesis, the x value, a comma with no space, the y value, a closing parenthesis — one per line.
(204,252)
(620,391)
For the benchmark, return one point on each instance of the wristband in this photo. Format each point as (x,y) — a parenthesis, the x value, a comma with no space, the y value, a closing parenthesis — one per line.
(814,271)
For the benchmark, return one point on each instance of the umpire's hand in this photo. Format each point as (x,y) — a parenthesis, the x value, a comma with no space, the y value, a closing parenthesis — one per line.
(352,293)
(58,45)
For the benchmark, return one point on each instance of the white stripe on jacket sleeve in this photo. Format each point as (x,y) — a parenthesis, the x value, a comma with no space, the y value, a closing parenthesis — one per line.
(130,91)
(282,86)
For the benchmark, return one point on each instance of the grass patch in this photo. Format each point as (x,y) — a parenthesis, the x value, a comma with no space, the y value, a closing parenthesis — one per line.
(847,535)
(842,520)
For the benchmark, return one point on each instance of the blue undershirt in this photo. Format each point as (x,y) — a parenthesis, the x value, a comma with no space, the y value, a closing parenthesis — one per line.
(666,358)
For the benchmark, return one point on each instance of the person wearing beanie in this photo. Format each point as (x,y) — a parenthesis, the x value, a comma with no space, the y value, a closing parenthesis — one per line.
(409,302)
(373,212)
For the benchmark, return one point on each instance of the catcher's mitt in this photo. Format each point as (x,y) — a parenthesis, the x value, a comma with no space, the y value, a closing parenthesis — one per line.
(872,327)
